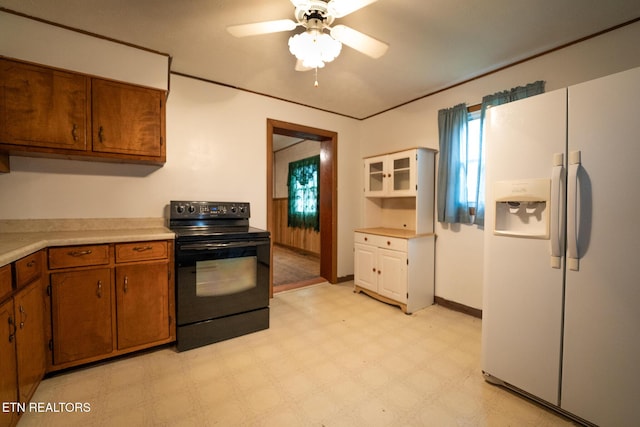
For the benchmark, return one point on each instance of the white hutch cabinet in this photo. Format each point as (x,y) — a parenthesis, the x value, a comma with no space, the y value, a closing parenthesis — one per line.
(394,252)
(391,175)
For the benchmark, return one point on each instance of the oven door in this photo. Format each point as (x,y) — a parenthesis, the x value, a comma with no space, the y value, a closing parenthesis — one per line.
(221,278)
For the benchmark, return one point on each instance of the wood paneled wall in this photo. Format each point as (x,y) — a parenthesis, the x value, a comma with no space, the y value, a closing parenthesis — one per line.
(306,239)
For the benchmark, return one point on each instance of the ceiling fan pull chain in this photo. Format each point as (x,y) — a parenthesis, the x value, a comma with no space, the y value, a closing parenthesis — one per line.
(315,84)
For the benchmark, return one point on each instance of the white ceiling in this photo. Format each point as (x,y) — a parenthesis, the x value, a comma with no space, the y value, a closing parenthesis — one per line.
(433,43)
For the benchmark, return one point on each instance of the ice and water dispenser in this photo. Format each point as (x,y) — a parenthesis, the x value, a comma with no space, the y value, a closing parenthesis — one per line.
(522,208)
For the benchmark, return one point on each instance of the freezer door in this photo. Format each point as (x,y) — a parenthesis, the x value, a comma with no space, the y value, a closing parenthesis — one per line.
(601,369)
(522,300)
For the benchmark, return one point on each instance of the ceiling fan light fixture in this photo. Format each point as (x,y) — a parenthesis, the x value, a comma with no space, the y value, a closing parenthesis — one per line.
(314,48)
(300,3)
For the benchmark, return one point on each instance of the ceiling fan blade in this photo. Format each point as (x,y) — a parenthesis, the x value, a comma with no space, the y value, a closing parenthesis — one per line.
(340,8)
(301,67)
(266,27)
(359,41)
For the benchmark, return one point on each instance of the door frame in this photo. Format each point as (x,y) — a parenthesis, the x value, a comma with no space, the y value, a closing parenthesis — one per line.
(328,190)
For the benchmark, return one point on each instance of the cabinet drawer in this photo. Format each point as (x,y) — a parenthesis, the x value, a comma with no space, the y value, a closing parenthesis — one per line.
(369,239)
(28,269)
(5,280)
(78,256)
(394,243)
(141,251)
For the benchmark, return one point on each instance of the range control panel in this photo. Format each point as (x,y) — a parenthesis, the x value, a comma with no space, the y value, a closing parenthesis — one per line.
(198,210)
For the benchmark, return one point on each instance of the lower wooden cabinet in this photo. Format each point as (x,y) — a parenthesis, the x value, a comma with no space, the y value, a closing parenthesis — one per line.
(107,305)
(142,304)
(81,307)
(8,365)
(22,332)
(30,343)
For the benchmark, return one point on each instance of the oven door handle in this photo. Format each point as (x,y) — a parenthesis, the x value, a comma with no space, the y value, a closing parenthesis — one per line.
(220,246)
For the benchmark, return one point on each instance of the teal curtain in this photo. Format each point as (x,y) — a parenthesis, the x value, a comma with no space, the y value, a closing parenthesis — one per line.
(452,174)
(304,193)
(498,98)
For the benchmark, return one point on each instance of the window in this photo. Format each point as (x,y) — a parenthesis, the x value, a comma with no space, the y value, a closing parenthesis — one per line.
(472,157)
(304,193)
(461,159)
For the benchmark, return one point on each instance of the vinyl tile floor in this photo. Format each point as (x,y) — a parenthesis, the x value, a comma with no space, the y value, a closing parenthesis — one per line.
(329,358)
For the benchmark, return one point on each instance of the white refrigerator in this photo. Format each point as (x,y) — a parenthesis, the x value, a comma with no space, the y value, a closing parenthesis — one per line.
(561,308)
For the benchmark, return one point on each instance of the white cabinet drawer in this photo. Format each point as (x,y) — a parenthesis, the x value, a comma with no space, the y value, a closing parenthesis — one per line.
(393,243)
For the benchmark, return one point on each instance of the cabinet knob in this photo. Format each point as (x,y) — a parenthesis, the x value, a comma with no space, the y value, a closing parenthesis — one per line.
(374,269)
(99,292)
(379,272)
(74,132)
(366,239)
(388,243)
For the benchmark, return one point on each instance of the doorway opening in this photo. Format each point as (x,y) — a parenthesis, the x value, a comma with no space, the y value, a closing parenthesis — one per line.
(327,193)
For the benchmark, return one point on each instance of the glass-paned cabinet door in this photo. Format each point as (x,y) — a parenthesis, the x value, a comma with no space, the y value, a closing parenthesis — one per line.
(375,176)
(403,173)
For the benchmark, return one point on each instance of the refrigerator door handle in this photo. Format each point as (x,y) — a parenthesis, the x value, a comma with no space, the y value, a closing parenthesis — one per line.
(573,257)
(557,198)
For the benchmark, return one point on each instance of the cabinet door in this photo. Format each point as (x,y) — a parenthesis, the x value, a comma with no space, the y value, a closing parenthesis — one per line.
(366,273)
(30,345)
(392,278)
(127,119)
(8,367)
(41,107)
(81,314)
(402,174)
(375,176)
(142,304)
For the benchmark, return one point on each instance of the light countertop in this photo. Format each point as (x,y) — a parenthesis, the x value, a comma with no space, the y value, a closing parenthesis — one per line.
(393,232)
(19,238)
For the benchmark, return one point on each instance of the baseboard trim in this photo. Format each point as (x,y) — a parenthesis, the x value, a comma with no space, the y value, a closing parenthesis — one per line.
(456,306)
(345,278)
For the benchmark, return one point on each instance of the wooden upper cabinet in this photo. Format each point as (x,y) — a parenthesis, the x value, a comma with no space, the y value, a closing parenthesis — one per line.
(47,112)
(127,119)
(42,107)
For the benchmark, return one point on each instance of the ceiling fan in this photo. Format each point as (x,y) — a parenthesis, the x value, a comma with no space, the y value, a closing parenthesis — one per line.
(314,47)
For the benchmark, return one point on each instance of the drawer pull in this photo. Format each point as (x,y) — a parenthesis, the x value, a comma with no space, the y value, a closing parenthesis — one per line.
(142,248)
(23,317)
(31,264)
(12,334)
(80,253)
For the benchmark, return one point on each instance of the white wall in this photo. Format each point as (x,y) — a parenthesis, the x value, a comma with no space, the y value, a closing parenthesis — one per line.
(459,251)
(31,40)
